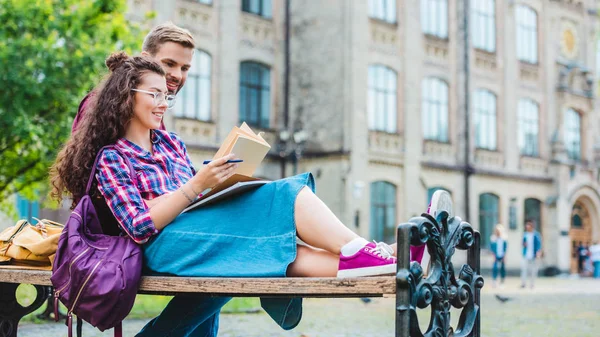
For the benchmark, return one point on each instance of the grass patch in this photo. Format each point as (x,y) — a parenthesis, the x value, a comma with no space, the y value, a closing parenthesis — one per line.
(146,306)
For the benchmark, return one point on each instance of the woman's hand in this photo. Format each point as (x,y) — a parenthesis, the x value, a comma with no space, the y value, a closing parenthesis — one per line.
(214,173)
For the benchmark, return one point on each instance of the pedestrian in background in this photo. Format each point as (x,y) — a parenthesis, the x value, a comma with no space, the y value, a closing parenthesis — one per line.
(595,257)
(498,247)
(532,250)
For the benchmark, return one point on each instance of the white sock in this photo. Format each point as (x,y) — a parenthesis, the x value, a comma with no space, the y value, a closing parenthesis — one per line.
(353,246)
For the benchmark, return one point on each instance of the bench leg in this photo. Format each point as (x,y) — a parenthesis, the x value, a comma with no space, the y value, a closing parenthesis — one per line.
(11,311)
(48,314)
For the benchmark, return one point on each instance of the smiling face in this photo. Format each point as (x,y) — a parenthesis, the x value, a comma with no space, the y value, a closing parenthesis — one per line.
(176,60)
(146,113)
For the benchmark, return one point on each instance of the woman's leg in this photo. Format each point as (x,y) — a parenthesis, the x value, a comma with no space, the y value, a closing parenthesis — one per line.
(311,262)
(502,271)
(318,226)
(495,270)
(187,316)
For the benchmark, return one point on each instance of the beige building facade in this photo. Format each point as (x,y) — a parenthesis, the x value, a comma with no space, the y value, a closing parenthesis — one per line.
(391,100)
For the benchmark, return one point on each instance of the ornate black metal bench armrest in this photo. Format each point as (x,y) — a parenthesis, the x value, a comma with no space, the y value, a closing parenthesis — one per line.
(440,289)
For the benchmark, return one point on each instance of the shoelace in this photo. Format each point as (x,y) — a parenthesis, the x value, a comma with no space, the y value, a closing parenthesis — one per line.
(383,249)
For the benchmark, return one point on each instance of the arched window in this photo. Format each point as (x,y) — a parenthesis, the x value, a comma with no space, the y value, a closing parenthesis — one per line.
(533,211)
(485,119)
(434,17)
(383,211)
(382,99)
(434,104)
(484,25)
(573,134)
(193,101)
(529,122)
(527,44)
(255,94)
(488,216)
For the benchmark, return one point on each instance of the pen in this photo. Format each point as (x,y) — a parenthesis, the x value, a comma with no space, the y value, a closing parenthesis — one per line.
(229,161)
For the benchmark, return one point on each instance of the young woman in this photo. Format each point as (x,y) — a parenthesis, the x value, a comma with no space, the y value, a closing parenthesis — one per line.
(498,247)
(249,235)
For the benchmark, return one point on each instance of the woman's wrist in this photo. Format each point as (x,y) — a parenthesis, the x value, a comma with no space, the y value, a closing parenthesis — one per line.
(195,187)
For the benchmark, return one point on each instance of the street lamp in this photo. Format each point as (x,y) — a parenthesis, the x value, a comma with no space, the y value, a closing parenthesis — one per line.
(291,147)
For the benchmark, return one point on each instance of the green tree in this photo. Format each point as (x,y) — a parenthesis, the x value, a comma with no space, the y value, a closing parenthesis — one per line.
(52,53)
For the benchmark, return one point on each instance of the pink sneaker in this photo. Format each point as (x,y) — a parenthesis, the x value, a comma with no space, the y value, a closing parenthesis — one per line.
(373,259)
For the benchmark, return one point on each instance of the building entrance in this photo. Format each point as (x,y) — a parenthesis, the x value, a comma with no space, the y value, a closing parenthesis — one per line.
(579,233)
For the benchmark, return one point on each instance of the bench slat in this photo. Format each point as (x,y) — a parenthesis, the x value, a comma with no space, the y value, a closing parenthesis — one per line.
(239,287)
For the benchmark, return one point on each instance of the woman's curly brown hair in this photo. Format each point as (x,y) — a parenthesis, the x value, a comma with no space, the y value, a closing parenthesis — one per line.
(103,124)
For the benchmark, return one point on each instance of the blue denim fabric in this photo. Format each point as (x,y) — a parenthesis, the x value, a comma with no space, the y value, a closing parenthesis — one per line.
(498,265)
(249,235)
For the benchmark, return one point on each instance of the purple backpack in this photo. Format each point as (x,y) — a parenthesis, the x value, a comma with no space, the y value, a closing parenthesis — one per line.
(96,276)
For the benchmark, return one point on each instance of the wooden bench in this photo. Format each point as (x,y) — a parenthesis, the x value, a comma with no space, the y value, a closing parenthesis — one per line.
(440,290)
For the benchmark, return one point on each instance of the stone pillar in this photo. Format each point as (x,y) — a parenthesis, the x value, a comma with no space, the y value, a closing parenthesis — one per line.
(412,38)
(356,63)
(227,67)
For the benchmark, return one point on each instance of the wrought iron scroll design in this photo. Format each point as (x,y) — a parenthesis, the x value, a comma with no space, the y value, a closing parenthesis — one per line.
(11,311)
(441,289)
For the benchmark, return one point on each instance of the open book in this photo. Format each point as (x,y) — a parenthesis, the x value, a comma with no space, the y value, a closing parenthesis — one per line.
(252,149)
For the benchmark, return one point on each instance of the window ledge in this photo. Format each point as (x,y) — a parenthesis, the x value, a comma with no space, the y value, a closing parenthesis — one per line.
(201,3)
(378,21)
(194,131)
(489,158)
(254,16)
(435,150)
(529,71)
(436,47)
(485,60)
(386,143)
(533,165)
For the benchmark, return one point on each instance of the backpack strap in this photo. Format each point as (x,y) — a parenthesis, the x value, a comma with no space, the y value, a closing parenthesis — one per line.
(119,330)
(79,326)
(93,173)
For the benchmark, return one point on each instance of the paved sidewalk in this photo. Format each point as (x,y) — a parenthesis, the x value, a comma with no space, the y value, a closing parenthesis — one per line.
(555,307)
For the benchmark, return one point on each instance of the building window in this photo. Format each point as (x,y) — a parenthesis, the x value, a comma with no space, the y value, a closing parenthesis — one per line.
(434,94)
(528,127)
(383,101)
(527,44)
(384,10)
(258,7)
(484,25)
(434,17)
(533,211)
(485,120)
(255,94)
(383,211)
(27,209)
(194,99)
(488,216)
(573,134)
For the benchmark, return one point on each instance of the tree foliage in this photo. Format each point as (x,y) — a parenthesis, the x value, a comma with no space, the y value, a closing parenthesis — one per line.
(52,53)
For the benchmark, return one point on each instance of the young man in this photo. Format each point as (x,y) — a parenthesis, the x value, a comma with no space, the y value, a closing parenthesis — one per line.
(169,45)
(532,249)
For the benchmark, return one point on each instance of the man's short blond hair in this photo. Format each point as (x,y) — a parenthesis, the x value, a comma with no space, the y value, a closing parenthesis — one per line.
(167,32)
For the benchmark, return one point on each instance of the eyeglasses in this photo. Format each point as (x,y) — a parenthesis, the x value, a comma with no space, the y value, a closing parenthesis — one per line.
(159,97)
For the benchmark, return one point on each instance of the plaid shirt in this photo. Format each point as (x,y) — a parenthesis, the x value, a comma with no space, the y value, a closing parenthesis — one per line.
(162,172)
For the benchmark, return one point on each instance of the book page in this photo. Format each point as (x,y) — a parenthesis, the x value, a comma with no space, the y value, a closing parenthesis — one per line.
(251,152)
(246,129)
(227,144)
